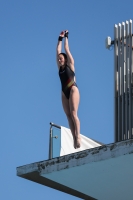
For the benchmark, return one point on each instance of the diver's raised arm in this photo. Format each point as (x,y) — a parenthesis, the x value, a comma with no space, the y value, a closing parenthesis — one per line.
(67,50)
(59,45)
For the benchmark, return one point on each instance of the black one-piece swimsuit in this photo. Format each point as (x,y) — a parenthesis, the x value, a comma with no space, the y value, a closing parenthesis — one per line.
(67,80)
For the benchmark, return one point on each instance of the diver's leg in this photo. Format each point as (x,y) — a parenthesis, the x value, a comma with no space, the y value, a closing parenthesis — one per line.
(73,104)
(65,103)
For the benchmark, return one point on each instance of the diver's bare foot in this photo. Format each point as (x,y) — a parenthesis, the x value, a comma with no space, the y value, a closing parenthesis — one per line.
(74,142)
(78,142)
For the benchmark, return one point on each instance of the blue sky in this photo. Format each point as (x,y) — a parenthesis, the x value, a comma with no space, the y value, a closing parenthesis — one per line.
(30,91)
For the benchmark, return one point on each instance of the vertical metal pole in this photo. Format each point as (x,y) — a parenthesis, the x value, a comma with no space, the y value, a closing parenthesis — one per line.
(115,83)
(125,87)
(126,83)
(127,76)
(122,79)
(132,85)
(119,82)
(130,74)
(51,143)
(124,93)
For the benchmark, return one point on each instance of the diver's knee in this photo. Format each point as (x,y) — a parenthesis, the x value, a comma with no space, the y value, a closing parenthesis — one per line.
(74,115)
(68,116)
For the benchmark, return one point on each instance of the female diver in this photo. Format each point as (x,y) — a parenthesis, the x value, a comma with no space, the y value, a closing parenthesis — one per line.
(70,92)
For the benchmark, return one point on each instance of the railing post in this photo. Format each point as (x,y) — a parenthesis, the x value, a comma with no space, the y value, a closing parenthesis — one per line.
(51,142)
(122,80)
(116,82)
(119,82)
(130,81)
(126,83)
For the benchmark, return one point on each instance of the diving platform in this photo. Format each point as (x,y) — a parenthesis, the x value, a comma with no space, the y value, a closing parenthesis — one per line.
(95,170)
(103,172)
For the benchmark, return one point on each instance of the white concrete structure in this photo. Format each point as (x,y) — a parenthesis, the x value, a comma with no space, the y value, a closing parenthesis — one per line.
(103,172)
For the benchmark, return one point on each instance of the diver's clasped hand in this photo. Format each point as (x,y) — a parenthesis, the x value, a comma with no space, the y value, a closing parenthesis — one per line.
(63,34)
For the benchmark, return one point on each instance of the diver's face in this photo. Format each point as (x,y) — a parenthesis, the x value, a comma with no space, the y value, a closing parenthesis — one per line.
(61,60)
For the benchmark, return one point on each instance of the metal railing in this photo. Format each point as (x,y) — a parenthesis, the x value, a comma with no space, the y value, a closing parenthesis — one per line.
(51,137)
